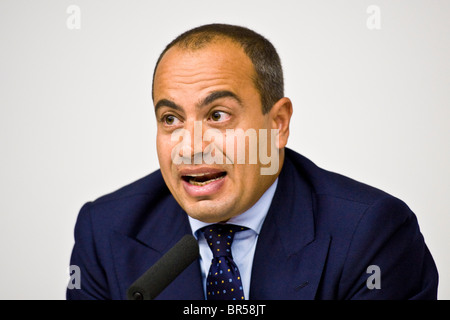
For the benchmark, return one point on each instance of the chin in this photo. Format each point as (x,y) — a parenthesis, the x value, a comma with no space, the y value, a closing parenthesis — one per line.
(209,212)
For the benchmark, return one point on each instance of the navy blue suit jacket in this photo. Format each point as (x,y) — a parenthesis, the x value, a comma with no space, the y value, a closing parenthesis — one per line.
(321,234)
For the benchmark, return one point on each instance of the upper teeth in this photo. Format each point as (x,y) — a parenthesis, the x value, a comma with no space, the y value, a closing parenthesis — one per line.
(197,174)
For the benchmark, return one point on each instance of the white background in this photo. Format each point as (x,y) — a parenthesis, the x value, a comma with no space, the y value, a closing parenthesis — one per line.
(76,115)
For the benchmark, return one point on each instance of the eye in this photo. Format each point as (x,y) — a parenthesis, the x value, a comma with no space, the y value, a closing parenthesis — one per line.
(219,116)
(170,120)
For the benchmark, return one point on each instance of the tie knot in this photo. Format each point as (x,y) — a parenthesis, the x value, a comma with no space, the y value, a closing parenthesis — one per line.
(220,237)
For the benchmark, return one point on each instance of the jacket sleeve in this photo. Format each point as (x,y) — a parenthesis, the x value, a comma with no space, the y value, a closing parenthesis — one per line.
(388,258)
(92,280)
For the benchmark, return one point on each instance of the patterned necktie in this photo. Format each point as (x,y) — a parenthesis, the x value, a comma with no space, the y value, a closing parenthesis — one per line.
(223,281)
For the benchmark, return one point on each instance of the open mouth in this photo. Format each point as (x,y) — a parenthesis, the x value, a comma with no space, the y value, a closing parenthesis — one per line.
(202,179)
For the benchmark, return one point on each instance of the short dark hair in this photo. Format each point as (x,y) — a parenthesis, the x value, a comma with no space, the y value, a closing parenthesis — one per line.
(268,77)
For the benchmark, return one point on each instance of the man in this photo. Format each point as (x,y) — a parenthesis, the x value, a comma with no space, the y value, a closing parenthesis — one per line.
(269,223)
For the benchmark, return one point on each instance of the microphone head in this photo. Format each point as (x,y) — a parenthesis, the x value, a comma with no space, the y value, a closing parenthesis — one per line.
(165,270)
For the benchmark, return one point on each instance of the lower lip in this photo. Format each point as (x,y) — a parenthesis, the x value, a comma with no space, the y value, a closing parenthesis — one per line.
(206,190)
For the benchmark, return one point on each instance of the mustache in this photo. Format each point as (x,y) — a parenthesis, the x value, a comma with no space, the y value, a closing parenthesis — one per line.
(224,147)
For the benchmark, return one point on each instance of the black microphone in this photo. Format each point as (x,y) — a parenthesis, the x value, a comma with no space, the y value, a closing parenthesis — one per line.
(165,270)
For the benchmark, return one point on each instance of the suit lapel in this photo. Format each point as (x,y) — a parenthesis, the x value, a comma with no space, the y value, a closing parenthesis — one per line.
(135,251)
(289,259)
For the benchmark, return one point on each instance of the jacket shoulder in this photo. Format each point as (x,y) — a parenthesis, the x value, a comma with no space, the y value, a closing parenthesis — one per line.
(152,185)
(330,184)
(341,202)
(128,204)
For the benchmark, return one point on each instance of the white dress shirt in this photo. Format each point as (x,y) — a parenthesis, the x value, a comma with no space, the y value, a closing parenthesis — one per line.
(244,243)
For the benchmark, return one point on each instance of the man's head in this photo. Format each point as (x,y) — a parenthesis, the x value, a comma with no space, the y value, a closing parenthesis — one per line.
(211,84)
(268,73)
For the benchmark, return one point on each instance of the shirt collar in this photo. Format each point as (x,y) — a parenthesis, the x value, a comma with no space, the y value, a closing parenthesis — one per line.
(253,218)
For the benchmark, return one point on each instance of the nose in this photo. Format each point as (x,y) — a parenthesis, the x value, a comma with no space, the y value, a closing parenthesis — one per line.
(192,146)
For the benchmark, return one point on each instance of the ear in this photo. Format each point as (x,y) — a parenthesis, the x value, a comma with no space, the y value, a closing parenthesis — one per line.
(280,116)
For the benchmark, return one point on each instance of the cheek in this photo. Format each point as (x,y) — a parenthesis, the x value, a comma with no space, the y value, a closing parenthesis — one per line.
(159,148)
(241,146)
(164,150)
(245,183)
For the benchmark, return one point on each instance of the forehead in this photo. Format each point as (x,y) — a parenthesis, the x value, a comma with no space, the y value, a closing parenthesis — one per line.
(221,64)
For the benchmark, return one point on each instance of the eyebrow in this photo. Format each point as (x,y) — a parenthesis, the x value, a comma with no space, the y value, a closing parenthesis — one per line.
(215,95)
(167,103)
